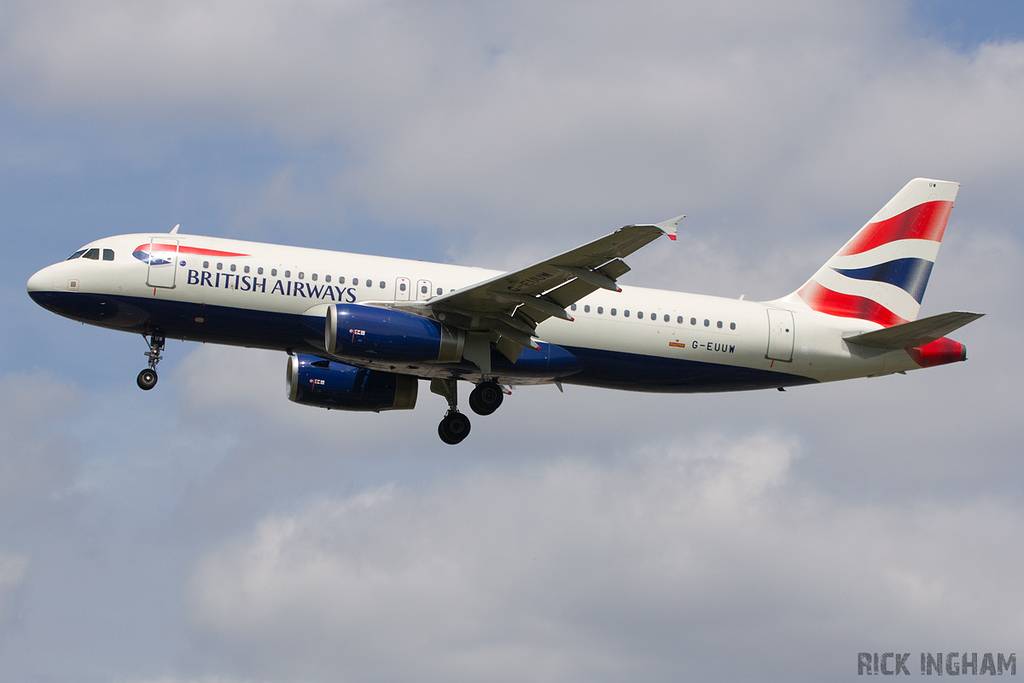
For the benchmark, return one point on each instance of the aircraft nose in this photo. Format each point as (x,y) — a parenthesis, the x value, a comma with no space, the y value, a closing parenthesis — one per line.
(41,281)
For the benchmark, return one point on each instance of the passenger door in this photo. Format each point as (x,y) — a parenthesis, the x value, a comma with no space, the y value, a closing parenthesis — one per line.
(163,263)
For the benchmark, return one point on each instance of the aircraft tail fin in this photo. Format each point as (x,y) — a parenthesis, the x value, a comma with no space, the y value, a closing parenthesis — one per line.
(880,275)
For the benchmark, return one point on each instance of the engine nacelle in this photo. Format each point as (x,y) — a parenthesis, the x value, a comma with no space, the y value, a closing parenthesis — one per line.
(316,382)
(370,332)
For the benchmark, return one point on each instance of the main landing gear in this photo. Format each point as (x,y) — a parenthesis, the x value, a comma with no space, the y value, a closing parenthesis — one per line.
(454,426)
(147,378)
(484,400)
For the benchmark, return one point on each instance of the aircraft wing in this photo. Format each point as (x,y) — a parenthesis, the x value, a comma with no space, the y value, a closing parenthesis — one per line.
(916,333)
(511,305)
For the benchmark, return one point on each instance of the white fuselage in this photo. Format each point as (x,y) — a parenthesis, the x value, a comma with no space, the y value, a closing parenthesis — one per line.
(239,292)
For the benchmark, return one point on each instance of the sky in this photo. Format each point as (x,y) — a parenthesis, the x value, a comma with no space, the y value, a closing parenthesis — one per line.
(210,531)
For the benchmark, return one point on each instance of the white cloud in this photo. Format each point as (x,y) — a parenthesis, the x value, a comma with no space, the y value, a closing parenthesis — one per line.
(528,117)
(702,558)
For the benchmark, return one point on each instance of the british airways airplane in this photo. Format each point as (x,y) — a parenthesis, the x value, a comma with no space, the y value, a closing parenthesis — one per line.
(361,331)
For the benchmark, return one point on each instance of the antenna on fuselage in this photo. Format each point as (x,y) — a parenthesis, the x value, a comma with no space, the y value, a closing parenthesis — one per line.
(174,230)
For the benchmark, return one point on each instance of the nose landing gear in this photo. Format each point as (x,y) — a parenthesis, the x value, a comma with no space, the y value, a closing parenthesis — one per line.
(148,377)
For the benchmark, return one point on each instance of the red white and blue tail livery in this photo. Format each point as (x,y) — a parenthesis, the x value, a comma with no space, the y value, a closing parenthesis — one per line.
(362,331)
(881,273)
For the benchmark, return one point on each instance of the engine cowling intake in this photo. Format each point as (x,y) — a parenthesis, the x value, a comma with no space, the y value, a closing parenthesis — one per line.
(370,332)
(317,382)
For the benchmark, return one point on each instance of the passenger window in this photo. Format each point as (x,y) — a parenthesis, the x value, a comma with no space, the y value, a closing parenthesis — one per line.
(667,318)
(382,284)
(77,254)
(423,289)
(341,280)
(93,254)
(719,324)
(707,323)
(439,290)
(612,311)
(108,254)
(679,319)
(626,313)
(287,273)
(639,315)
(693,321)
(327,278)
(301,275)
(732,326)
(369,283)
(355,281)
(586,309)
(233,266)
(259,271)
(206,264)
(273,272)
(220,266)
(401,287)
(314,277)
(600,310)
(245,269)
(573,307)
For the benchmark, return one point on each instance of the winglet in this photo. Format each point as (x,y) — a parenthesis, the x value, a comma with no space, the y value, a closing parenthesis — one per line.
(174,230)
(669,227)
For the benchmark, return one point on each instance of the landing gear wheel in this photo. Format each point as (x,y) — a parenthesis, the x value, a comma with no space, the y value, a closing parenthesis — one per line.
(453,428)
(486,398)
(146,379)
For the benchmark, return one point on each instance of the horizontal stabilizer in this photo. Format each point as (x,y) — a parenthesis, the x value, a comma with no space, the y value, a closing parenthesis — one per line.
(915,334)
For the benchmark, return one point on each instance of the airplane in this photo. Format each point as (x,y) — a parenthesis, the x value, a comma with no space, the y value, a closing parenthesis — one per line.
(362,331)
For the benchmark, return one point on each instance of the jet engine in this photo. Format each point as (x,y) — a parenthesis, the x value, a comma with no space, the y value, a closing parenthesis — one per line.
(370,332)
(317,382)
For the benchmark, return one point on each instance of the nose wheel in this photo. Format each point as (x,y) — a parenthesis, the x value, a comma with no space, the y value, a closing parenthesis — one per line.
(148,377)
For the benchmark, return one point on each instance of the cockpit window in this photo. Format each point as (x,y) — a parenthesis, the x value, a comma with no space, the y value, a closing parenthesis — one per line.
(108,254)
(76,254)
(93,254)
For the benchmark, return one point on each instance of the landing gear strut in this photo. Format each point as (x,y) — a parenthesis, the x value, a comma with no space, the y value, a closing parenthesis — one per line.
(147,378)
(454,426)
(486,398)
